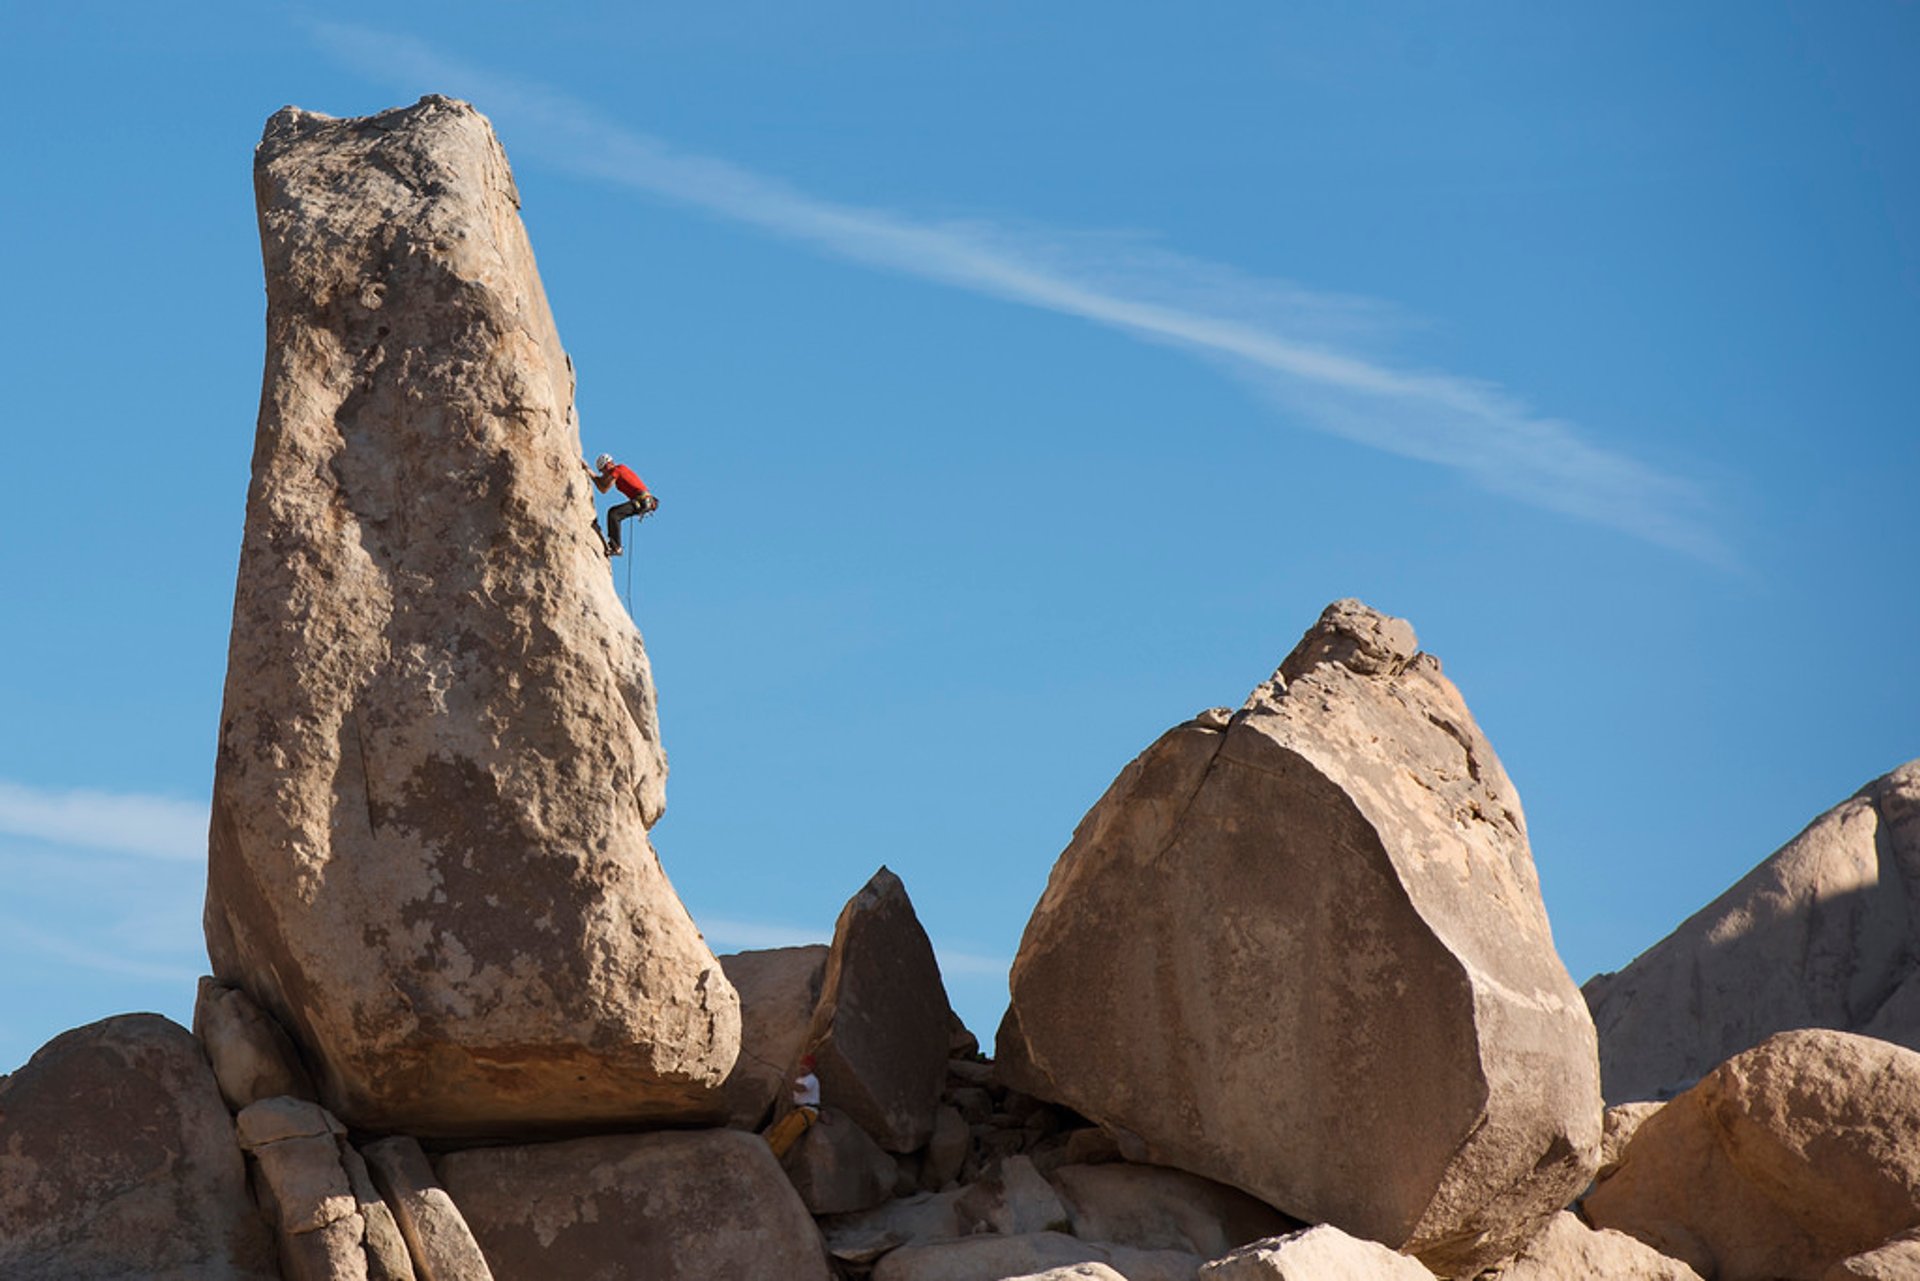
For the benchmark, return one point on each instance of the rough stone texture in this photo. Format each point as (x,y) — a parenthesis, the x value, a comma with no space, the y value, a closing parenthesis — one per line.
(1821,934)
(118,1160)
(1617,1128)
(1897,1260)
(946,1149)
(837,1169)
(1302,951)
(253,1058)
(1013,1199)
(1785,1159)
(388,1258)
(1570,1249)
(296,1145)
(861,1238)
(1077,1272)
(439,753)
(1322,1253)
(667,1206)
(437,1234)
(990,1258)
(778,988)
(881,1029)
(1152,1207)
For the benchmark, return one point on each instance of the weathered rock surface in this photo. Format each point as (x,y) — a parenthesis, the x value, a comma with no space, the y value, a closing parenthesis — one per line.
(329,1222)
(1152,1207)
(778,988)
(1013,1199)
(438,1237)
(1784,1160)
(1617,1127)
(253,1058)
(881,1030)
(837,1169)
(1569,1249)
(1302,951)
(1075,1272)
(118,1160)
(1824,933)
(1322,1253)
(439,753)
(863,1237)
(1897,1260)
(667,1206)
(990,1258)
(946,1149)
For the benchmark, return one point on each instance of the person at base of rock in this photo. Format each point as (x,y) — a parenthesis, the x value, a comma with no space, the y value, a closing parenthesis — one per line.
(806,1110)
(608,474)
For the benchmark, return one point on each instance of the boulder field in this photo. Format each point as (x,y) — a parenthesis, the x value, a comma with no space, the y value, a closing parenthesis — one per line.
(1289,1007)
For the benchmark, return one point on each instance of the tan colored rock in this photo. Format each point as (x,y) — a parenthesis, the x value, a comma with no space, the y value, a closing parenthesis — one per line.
(837,1169)
(1151,1207)
(253,1058)
(437,1234)
(388,1258)
(1821,934)
(1322,1253)
(1897,1260)
(778,988)
(1304,953)
(306,1193)
(439,753)
(1617,1128)
(1075,1272)
(118,1160)
(1569,1248)
(692,1205)
(990,1258)
(1787,1158)
(881,1030)
(863,1237)
(1013,1199)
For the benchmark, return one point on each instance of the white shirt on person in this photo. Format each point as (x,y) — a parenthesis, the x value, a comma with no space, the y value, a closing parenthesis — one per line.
(806,1091)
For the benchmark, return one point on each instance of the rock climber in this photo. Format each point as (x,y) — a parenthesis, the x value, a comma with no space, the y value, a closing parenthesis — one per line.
(806,1109)
(608,474)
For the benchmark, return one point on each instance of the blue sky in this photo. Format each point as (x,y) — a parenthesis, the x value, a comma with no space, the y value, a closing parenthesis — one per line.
(1018,381)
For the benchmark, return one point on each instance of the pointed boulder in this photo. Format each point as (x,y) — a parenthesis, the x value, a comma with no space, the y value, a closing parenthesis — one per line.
(881,1029)
(439,754)
(1301,950)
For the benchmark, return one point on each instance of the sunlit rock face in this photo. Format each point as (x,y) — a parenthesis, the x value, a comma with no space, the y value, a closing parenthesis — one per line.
(1301,949)
(439,752)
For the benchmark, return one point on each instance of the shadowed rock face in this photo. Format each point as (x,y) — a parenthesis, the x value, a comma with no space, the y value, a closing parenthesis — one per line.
(1824,933)
(439,754)
(1301,950)
(118,1159)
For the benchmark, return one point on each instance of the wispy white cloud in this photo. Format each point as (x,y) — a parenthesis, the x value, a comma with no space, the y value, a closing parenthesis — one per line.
(1296,347)
(93,955)
(127,823)
(725,935)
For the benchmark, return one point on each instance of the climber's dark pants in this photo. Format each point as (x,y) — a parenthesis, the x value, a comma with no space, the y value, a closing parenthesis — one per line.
(617,514)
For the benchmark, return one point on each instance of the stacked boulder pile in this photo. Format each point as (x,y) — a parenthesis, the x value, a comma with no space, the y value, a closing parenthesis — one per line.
(1289,1007)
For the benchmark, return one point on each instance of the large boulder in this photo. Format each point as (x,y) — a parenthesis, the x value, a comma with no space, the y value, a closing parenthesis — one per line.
(990,1258)
(668,1206)
(778,988)
(882,1027)
(1321,1253)
(253,1058)
(330,1222)
(837,1169)
(1821,934)
(1781,1162)
(1300,949)
(1569,1249)
(118,1161)
(439,753)
(1155,1208)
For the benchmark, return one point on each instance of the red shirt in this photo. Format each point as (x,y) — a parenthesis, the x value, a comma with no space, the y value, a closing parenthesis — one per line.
(625,481)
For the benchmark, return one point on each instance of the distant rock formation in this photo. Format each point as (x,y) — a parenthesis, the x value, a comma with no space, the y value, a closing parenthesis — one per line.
(439,754)
(1824,933)
(1301,949)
